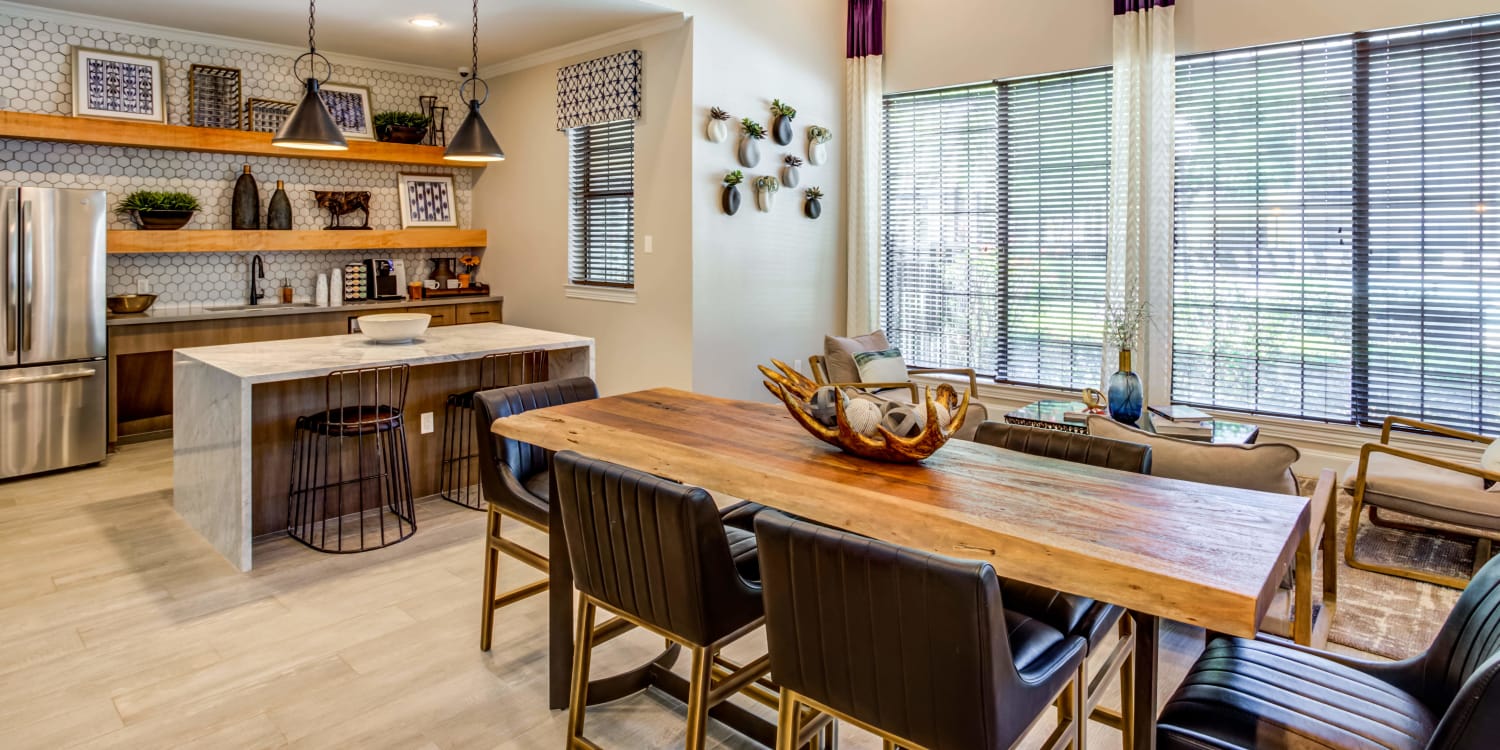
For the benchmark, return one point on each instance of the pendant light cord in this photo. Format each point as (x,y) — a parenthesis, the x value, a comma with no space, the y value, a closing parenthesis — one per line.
(312,24)
(473,78)
(474,61)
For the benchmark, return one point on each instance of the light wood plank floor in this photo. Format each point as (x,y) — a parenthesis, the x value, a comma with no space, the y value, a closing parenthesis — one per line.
(119,627)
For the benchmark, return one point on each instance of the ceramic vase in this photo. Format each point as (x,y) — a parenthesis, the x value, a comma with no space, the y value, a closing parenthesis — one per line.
(764,199)
(813,208)
(781,130)
(279,210)
(1125,395)
(717,130)
(245,213)
(442,271)
(749,152)
(817,153)
(790,176)
(731,199)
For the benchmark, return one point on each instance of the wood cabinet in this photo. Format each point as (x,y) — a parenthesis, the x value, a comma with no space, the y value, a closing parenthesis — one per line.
(140,356)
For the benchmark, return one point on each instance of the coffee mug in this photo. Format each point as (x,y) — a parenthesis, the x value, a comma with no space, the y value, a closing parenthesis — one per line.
(432,284)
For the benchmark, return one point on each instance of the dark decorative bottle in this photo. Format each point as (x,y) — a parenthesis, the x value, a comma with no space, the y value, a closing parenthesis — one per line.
(279,212)
(246,211)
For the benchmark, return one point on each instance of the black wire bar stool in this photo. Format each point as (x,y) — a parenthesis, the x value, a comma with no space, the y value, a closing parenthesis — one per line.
(351,477)
(458,471)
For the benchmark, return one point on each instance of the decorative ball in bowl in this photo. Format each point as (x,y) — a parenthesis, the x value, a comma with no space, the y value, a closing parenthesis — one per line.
(862,428)
(394,328)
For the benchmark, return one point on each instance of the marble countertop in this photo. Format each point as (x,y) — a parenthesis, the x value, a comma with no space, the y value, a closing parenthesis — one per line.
(294,359)
(169,313)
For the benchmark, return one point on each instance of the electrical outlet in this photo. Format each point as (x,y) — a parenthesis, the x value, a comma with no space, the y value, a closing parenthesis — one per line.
(427,422)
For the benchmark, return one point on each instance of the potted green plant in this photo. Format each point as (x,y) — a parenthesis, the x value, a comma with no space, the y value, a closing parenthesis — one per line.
(781,123)
(731,198)
(150,209)
(813,208)
(765,191)
(752,131)
(401,127)
(817,144)
(791,174)
(718,125)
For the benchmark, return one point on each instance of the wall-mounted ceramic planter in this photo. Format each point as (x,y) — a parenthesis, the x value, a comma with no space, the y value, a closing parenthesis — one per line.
(749,152)
(791,174)
(730,200)
(781,130)
(812,208)
(765,192)
(817,144)
(718,130)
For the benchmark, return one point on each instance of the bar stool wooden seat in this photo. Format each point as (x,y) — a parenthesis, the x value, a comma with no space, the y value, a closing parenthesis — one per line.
(458,470)
(350,488)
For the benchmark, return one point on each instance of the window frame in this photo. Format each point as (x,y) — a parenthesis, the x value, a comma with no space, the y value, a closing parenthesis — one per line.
(584,253)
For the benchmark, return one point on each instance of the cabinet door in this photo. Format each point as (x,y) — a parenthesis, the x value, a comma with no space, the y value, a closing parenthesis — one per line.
(441,316)
(479,312)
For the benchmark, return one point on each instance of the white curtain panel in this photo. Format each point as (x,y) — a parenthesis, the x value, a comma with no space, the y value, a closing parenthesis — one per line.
(862,155)
(1140,213)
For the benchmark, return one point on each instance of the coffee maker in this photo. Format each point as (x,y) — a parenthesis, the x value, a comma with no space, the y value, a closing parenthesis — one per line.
(385,278)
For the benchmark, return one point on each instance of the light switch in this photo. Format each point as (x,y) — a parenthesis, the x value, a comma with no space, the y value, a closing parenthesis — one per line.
(646,244)
(426,422)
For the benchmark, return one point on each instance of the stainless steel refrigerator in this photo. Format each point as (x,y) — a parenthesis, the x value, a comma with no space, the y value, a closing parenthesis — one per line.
(53,371)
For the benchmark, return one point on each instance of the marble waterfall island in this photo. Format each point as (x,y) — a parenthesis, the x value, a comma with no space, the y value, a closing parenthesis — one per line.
(235,408)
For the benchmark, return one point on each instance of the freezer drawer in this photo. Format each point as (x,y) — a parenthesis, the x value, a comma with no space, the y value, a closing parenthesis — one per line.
(52,417)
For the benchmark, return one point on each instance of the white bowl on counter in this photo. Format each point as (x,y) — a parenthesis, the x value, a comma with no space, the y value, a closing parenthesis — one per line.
(394,328)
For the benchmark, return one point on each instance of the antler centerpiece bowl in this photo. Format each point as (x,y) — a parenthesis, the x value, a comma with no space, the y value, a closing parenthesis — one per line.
(796,391)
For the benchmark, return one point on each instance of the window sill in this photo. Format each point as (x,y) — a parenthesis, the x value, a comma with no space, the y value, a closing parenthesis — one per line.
(600,293)
(1323,445)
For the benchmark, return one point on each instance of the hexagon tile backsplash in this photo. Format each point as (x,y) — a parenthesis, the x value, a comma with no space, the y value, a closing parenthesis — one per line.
(35,75)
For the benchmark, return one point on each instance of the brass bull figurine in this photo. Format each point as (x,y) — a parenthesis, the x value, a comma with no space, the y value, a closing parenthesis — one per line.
(341,202)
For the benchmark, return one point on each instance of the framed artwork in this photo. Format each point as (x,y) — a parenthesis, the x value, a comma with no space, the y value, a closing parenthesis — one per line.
(427,201)
(117,85)
(266,115)
(214,97)
(350,108)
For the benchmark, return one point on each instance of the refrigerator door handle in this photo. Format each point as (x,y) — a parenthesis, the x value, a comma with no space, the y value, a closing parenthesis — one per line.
(28,272)
(52,378)
(12,259)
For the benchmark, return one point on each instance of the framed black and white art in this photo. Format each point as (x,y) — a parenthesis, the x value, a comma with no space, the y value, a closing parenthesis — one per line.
(350,108)
(427,201)
(117,85)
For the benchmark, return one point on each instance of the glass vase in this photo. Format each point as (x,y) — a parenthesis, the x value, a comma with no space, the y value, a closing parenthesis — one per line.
(1125,396)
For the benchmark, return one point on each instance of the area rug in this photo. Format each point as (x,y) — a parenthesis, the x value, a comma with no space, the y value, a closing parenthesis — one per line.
(1392,616)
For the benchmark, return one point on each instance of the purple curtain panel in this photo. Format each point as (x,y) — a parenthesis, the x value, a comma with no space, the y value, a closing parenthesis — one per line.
(1130,6)
(866,28)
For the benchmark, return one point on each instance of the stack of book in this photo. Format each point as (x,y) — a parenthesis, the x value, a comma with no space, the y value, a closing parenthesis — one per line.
(1181,421)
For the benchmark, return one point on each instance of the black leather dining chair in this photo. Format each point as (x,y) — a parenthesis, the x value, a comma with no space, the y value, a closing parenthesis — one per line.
(516,482)
(658,554)
(912,646)
(1278,695)
(1076,615)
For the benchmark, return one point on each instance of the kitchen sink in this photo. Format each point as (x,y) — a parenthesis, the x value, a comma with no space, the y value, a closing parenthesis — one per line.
(256,308)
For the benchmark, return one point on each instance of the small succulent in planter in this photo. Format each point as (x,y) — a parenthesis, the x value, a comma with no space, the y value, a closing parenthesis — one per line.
(718,125)
(150,209)
(781,123)
(731,198)
(765,191)
(753,131)
(791,174)
(401,127)
(813,208)
(817,144)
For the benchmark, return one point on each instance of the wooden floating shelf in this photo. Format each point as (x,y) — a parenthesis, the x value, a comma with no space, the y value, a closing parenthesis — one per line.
(32,126)
(271,241)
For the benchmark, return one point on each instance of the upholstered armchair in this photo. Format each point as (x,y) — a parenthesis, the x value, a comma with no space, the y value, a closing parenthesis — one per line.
(1404,480)
(836,366)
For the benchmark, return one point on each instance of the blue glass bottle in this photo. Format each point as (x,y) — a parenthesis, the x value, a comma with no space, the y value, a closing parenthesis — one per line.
(1125,392)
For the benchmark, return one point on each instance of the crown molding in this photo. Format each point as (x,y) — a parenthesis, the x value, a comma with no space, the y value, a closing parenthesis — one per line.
(584,46)
(195,37)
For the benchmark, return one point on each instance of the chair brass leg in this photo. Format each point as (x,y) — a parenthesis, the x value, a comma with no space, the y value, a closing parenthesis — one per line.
(582,651)
(786,721)
(1483,550)
(829,738)
(697,703)
(1127,685)
(491,573)
(886,744)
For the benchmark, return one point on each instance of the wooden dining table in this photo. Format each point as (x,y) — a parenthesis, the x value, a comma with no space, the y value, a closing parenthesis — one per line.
(1193,553)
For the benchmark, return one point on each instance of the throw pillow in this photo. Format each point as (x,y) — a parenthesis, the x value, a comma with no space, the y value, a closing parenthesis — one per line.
(1266,466)
(884,366)
(838,354)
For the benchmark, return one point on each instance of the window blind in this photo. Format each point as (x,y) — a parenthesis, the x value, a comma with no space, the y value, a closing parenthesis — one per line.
(1262,267)
(602,189)
(995,211)
(1429,273)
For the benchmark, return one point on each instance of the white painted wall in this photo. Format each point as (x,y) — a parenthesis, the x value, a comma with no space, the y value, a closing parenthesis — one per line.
(932,43)
(523,202)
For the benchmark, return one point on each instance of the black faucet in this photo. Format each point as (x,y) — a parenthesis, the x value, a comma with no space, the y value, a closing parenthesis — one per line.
(257,271)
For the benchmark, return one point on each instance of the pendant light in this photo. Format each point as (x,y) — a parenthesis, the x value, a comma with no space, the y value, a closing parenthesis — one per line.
(473,141)
(310,126)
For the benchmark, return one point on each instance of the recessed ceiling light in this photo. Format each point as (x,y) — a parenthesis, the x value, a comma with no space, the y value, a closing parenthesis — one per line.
(426,22)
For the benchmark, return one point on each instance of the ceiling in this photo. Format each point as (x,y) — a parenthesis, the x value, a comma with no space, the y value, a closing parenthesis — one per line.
(380,29)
